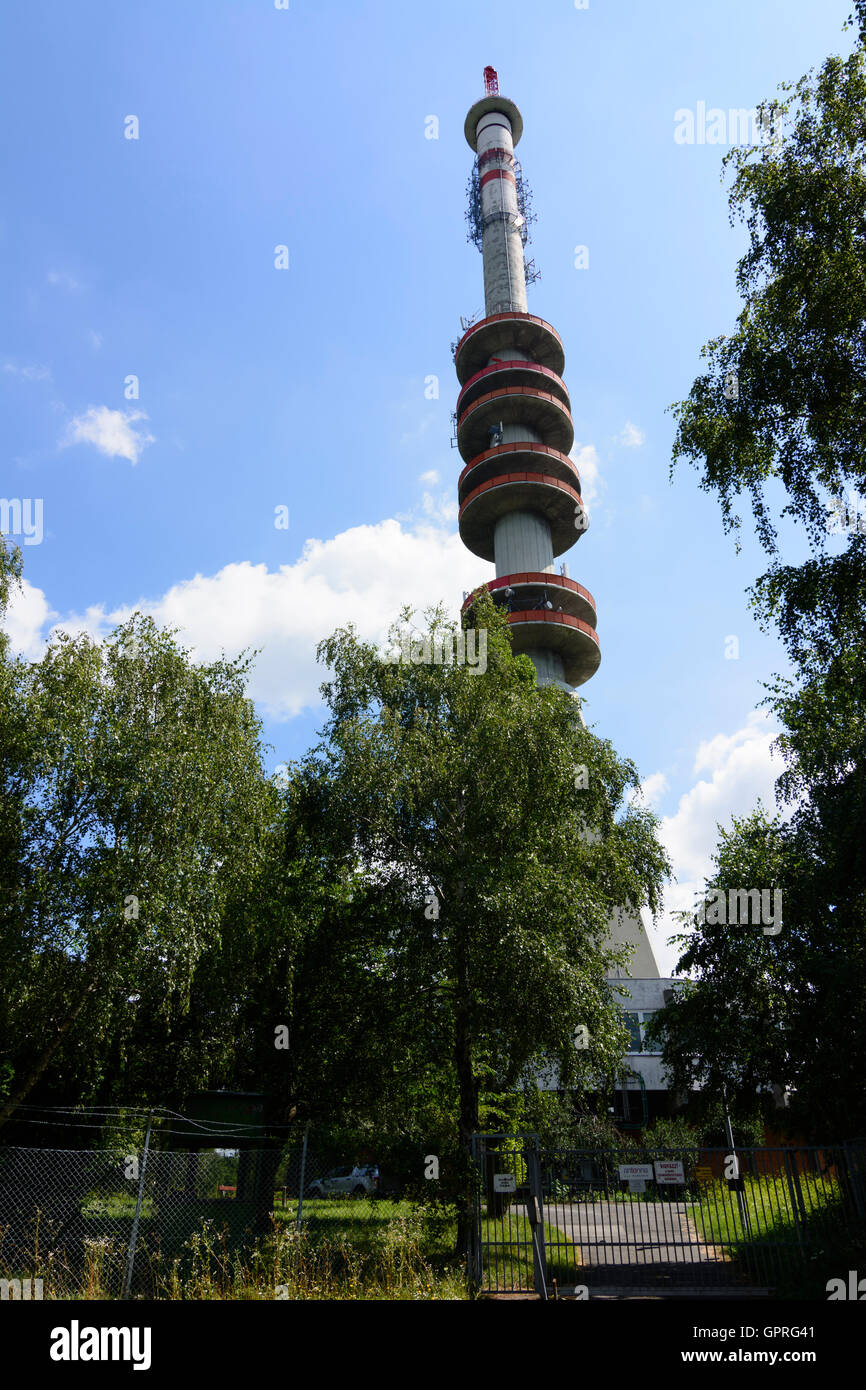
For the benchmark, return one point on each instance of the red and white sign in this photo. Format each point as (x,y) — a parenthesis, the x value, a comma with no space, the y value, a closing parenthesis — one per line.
(669,1171)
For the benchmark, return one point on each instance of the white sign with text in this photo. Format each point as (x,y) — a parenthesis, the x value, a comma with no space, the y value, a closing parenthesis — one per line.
(669,1171)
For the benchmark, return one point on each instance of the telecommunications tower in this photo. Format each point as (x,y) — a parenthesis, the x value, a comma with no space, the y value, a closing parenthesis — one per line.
(519,492)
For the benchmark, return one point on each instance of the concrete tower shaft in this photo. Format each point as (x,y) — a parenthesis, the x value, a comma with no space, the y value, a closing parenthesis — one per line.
(519,494)
(493,127)
(519,491)
(502,243)
(522,541)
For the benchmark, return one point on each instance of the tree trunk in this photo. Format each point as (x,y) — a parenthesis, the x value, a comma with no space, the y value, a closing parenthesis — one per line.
(44,1058)
(468,1125)
(466,1081)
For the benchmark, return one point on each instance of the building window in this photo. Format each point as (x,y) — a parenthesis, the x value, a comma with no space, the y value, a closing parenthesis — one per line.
(636,1025)
(632,1023)
(645,1045)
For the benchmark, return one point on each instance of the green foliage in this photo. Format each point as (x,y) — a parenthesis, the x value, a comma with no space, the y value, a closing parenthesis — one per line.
(165,907)
(722,1030)
(797,353)
(784,1011)
(447,798)
(777,1011)
(600,1132)
(670,1132)
(140,814)
(747,1126)
(549,1114)
(857,19)
(671,1137)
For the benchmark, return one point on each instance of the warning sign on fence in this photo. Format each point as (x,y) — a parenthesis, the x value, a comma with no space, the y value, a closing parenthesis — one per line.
(669,1170)
(504,1182)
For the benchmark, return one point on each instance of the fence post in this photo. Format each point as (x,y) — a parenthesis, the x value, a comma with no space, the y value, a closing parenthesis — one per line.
(303,1176)
(854,1176)
(535,1212)
(796,1207)
(130,1259)
(471,1197)
(741,1195)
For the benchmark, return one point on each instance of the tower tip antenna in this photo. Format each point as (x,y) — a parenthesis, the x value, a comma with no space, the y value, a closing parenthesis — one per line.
(491,82)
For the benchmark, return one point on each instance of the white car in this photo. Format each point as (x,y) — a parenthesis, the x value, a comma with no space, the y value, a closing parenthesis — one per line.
(357,1181)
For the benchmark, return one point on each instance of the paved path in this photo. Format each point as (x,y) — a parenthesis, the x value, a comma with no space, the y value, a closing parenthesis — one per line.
(611,1235)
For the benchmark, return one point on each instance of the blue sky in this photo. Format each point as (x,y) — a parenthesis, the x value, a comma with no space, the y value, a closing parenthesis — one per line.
(304,387)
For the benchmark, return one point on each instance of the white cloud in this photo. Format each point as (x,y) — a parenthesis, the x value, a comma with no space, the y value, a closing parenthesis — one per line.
(363,575)
(651,790)
(632,437)
(586,459)
(410,438)
(111,431)
(28,373)
(741,771)
(95,339)
(435,509)
(441,510)
(718,754)
(27,614)
(64,280)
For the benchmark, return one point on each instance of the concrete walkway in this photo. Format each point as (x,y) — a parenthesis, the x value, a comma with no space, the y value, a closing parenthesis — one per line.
(648,1241)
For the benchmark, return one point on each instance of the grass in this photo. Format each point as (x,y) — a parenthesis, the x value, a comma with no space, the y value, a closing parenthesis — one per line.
(364,1222)
(116,1205)
(767,1208)
(329,1215)
(833,1251)
(353,1250)
(508,1255)
(771,1245)
(376,1250)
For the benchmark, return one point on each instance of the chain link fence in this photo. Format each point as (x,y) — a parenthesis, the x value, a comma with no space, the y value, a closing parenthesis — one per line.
(114,1224)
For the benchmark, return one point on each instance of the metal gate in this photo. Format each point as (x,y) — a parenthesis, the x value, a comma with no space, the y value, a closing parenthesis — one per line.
(584,1219)
(508,1249)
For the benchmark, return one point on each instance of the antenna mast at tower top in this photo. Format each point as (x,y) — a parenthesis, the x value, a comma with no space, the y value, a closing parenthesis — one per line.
(491,82)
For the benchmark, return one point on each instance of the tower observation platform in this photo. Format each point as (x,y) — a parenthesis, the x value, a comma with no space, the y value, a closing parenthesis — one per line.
(519,495)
